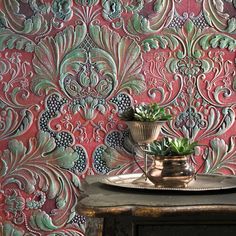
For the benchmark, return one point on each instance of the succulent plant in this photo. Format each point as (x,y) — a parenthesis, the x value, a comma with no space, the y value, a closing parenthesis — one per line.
(172,147)
(145,112)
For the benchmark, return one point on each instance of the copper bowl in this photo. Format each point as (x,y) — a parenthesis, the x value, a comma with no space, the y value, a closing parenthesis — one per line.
(171,171)
(144,132)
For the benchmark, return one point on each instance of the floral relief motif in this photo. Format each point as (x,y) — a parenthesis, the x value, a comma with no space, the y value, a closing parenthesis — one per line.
(88,3)
(189,66)
(16,109)
(190,122)
(62,9)
(111,9)
(14,203)
(221,82)
(16,74)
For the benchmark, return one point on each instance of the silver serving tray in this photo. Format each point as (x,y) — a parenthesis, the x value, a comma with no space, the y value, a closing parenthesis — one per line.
(203,182)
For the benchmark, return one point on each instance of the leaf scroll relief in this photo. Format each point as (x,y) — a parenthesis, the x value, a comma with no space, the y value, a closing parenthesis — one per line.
(119,58)
(143,18)
(17,104)
(24,23)
(217,15)
(221,157)
(57,57)
(31,176)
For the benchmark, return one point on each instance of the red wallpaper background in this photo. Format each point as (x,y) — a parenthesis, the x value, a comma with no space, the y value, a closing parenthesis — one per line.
(69,68)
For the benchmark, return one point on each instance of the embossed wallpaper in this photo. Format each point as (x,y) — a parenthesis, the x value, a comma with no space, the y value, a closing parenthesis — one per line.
(68,68)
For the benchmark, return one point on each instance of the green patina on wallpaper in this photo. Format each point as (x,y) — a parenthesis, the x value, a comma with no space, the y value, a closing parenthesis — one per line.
(69,68)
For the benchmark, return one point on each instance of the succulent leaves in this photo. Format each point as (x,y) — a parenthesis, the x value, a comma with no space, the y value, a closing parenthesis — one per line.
(172,147)
(145,113)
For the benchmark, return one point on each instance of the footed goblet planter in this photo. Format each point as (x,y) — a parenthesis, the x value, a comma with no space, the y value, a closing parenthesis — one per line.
(171,171)
(144,132)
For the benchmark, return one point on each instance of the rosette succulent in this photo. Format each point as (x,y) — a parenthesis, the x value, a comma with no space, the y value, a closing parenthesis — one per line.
(172,147)
(145,113)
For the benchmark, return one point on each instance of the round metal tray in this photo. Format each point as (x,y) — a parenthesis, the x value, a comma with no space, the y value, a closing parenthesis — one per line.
(203,182)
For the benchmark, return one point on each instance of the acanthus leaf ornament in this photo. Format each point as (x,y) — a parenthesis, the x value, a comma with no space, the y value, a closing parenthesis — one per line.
(7,229)
(120,59)
(55,58)
(160,16)
(221,157)
(11,40)
(215,15)
(42,166)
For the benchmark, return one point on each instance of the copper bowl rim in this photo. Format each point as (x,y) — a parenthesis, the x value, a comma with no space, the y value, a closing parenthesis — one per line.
(171,158)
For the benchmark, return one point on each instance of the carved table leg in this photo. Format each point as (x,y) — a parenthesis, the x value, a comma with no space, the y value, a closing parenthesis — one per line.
(94,226)
(117,226)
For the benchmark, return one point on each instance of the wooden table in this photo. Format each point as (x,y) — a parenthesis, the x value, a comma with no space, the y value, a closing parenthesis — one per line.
(134,212)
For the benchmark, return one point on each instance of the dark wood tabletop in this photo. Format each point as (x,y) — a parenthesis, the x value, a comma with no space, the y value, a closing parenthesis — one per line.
(103,201)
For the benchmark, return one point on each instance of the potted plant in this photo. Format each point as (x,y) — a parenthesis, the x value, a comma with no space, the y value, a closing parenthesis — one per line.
(171,166)
(145,121)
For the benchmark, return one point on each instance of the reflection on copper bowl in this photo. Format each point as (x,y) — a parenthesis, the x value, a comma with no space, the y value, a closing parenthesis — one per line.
(171,171)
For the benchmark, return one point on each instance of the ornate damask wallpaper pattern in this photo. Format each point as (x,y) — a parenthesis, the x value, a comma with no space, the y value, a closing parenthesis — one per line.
(68,68)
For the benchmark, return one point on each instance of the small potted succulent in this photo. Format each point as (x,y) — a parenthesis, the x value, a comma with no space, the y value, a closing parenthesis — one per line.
(171,166)
(145,121)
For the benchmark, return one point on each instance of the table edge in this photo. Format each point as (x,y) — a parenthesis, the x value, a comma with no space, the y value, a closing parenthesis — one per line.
(154,212)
